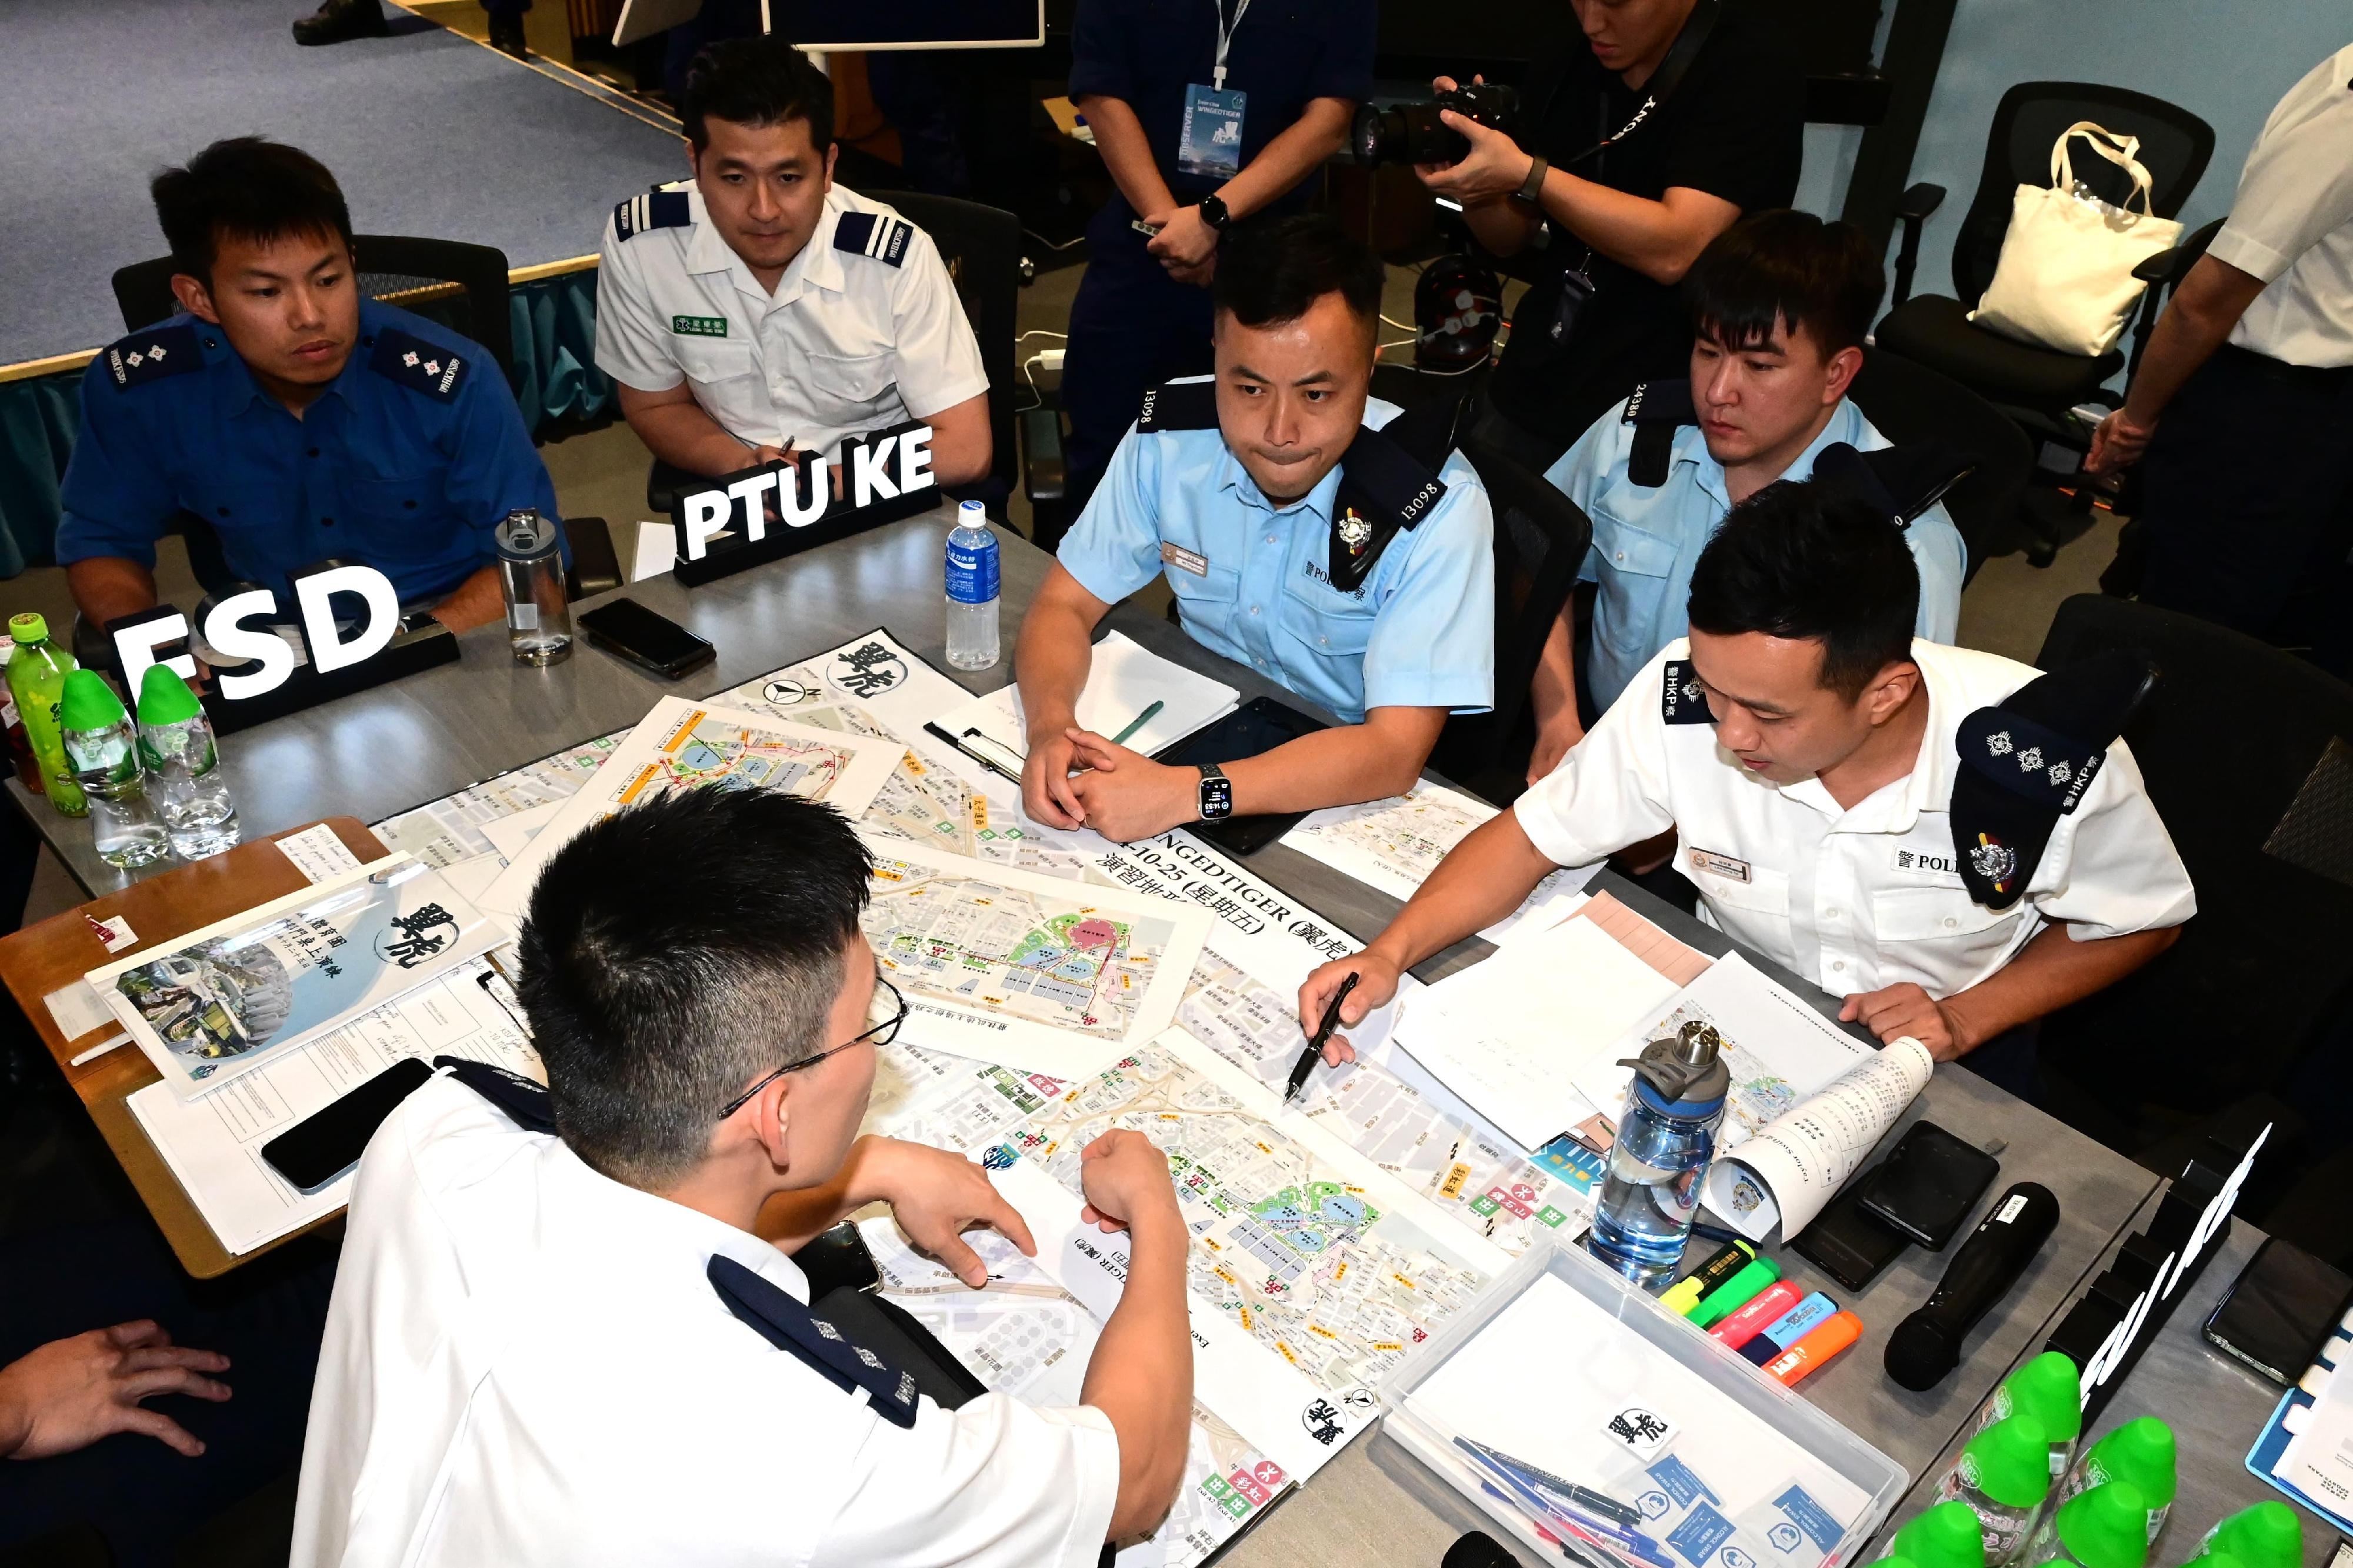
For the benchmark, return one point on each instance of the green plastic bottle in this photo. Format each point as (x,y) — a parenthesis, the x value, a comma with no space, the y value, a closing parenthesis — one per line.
(1892,1560)
(2004,1476)
(36,680)
(2050,1388)
(2103,1527)
(2141,1452)
(1947,1536)
(2264,1536)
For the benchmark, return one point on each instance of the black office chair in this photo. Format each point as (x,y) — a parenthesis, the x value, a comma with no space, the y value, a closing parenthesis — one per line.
(982,248)
(1541,538)
(2244,750)
(2037,385)
(1907,402)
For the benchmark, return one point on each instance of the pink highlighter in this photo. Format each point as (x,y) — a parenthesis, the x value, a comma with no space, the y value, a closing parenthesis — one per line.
(1753,1318)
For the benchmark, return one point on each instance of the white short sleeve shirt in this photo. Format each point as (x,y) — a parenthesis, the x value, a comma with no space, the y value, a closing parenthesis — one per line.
(864,330)
(1855,899)
(525,1362)
(2292,224)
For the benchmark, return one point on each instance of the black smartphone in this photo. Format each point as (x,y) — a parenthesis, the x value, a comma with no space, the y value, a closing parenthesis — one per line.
(326,1143)
(656,644)
(1259,725)
(1848,1243)
(1928,1184)
(2280,1310)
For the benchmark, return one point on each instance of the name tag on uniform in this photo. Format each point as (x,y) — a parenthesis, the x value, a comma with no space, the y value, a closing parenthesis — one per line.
(699,326)
(1927,863)
(1176,556)
(1718,865)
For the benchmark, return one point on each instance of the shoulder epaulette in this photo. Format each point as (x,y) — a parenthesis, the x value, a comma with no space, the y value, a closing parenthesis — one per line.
(418,365)
(876,235)
(1179,406)
(1387,487)
(152,354)
(1900,482)
(1682,698)
(658,208)
(527,1104)
(768,1312)
(1657,410)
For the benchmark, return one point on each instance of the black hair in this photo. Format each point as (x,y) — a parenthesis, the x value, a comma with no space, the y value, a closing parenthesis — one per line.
(1796,560)
(1274,269)
(1784,267)
(756,81)
(246,187)
(675,952)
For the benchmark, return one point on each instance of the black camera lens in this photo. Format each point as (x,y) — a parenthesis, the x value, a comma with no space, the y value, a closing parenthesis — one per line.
(1412,132)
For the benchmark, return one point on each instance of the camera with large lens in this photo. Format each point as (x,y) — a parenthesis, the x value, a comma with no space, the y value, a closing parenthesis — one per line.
(1412,132)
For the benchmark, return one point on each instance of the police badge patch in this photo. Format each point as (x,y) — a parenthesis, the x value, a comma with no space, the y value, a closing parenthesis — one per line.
(1995,861)
(1354,532)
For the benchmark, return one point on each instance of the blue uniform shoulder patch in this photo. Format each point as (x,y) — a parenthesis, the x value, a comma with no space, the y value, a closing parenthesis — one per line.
(152,354)
(1657,410)
(1388,484)
(876,234)
(767,1310)
(655,209)
(1682,698)
(418,365)
(1179,406)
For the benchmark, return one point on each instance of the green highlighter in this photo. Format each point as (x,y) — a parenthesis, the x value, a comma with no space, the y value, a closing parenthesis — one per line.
(1721,1265)
(1734,1293)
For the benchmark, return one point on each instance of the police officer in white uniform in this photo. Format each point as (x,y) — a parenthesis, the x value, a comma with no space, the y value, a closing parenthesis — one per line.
(558,1334)
(760,311)
(1843,796)
(2248,514)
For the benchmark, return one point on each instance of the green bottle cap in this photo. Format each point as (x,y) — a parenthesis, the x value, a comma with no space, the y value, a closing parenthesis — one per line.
(28,627)
(164,698)
(2264,1536)
(1736,1293)
(2050,1387)
(2140,1452)
(2105,1527)
(1947,1536)
(2010,1461)
(88,703)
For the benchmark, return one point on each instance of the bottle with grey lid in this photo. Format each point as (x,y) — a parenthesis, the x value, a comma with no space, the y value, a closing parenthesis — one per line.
(972,583)
(1661,1157)
(183,777)
(531,570)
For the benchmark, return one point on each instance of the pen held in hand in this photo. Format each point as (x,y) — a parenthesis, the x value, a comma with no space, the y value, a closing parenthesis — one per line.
(1308,1058)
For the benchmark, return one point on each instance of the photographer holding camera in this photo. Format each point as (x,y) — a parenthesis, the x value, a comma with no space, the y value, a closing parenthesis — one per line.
(1627,156)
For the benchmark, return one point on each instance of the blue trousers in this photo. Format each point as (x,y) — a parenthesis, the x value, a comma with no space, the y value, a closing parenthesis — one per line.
(1132,328)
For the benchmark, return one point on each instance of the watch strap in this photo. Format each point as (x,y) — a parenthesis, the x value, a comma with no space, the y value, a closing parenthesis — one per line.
(1531,189)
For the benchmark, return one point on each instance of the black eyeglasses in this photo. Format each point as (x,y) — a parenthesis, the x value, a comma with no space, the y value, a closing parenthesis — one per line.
(879,1033)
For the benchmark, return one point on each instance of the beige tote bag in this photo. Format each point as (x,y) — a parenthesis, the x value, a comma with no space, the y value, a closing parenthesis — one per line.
(2065,278)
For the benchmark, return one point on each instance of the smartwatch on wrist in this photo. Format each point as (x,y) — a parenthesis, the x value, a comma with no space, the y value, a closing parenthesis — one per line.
(1216,801)
(1531,189)
(1214,214)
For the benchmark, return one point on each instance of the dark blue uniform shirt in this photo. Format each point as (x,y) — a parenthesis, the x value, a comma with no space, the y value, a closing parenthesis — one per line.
(1285,52)
(405,463)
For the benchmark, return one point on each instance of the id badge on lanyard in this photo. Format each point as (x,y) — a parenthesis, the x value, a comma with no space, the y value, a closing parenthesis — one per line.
(1211,142)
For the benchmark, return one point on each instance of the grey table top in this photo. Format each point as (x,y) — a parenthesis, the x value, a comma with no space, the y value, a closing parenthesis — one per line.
(397,746)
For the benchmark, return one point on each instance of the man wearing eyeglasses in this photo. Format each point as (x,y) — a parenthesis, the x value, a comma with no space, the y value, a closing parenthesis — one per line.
(583,1340)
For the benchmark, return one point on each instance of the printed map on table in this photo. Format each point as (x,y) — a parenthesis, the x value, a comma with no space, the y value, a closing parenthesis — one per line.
(1023,1335)
(1394,845)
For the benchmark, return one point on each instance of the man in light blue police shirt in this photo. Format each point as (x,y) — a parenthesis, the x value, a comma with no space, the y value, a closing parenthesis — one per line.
(1322,539)
(297,419)
(1780,303)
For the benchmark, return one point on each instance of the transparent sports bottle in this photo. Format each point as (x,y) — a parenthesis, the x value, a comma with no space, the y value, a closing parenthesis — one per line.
(971,590)
(1664,1144)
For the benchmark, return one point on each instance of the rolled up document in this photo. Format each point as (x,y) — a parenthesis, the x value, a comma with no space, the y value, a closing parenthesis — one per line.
(1796,1163)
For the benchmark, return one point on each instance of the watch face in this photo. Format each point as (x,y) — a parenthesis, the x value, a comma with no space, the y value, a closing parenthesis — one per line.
(1216,798)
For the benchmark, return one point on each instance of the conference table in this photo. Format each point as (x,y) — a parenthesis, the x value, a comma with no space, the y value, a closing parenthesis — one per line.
(400,745)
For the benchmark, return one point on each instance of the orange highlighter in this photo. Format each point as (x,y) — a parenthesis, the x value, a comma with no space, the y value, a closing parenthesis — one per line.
(1837,1331)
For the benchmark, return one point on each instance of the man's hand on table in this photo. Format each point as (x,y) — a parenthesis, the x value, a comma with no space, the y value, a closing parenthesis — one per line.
(1376,983)
(936,1196)
(1125,795)
(71,1392)
(1895,1011)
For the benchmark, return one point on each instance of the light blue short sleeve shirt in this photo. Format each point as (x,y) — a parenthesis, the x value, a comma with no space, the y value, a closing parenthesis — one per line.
(1252,579)
(1646,540)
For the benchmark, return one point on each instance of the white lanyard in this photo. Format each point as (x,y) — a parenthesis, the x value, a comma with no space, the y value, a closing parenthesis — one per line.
(1226,38)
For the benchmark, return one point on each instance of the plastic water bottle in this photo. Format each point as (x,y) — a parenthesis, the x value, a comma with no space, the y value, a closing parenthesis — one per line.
(104,751)
(1946,1536)
(37,682)
(2105,1527)
(175,743)
(1644,1216)
(2141,1452)
(2003,1475)
(971,590)
(2050,1389)
(2267,1535)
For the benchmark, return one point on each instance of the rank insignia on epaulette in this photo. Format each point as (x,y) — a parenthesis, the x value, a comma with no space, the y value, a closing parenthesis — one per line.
(418,365)
(152,354)
(657,208)
(877,234)
(1682,699)
(1354,531)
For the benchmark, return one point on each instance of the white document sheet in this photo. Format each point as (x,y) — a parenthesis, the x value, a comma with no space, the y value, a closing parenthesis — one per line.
(1512,1035)
(1797,1162)
(1123,678)
(213,1143)
(700,745)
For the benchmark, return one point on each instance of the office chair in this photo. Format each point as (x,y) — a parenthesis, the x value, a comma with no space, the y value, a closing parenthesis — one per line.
(1541,538)
(2244,750)
(2032,385)
(1906,402)
(982,248)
